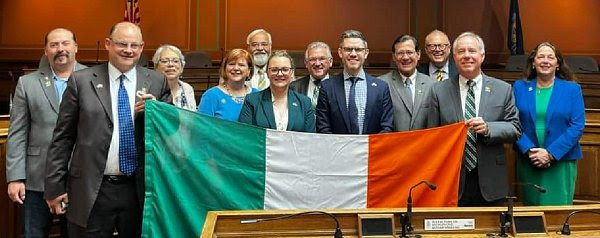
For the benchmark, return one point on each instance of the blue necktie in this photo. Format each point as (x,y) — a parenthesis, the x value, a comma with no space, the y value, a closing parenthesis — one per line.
(127,153)
(352,109)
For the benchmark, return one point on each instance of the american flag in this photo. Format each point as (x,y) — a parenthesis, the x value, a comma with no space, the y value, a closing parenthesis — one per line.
(132,12)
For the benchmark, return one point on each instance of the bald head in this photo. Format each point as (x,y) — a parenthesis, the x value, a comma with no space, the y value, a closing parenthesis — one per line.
(437,47)
(124,45)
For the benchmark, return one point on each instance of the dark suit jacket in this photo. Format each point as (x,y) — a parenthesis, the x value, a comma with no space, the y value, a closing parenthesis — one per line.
(79,149)
(32,119)
(452,72)
(301,85)
(332,114)
(258,111)
(409,116)
(497,108)
(565,119)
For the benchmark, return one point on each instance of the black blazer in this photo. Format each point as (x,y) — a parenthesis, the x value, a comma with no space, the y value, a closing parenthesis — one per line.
(301,85)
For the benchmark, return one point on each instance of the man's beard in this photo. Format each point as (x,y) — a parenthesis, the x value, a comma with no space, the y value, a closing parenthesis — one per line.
(260,59)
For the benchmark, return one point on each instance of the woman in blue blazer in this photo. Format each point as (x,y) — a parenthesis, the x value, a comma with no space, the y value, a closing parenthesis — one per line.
(552,114)
(277,107)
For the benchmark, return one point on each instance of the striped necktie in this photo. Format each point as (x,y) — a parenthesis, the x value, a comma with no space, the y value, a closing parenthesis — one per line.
(127,153)
(315,93)
(262,84)
(470,155)
(407,84)
(440,75)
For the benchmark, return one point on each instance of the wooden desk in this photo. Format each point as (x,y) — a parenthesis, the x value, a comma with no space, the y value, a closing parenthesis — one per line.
(227,223)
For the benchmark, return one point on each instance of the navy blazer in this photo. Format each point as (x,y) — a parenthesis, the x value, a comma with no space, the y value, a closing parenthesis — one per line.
(565,118)
(258,111)
(332,114)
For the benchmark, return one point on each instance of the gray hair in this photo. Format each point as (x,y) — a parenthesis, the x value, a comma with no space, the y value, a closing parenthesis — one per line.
(256,32)
(173,48)
(315,45)
(469,34)
(281,53)
(353,34)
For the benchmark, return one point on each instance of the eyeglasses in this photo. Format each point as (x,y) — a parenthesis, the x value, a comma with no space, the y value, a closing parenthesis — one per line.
(439,46)
(124,45)
(407,53)
(349,50)
(282,70)
(171,60)
(318,59)
(257,44)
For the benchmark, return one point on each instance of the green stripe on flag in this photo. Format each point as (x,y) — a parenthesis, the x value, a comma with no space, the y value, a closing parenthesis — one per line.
(194,164)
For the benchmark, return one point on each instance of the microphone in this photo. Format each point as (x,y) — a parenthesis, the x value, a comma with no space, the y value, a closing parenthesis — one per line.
(97,51)
(338,231)
(566,230)
(407,221)
(506,217)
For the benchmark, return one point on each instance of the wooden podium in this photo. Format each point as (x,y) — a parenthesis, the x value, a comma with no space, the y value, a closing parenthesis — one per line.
(487,220)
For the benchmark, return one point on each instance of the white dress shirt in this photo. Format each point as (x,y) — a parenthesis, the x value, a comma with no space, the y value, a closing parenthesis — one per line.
(112,162)
(462,83)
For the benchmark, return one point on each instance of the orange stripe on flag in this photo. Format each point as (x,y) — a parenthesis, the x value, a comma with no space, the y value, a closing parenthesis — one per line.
(399,160)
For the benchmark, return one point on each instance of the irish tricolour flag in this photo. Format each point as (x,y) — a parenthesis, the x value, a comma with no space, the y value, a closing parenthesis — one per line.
(196,163)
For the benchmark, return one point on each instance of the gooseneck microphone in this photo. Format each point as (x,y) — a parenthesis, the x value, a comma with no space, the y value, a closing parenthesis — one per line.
(407,218)
(506,217)
(566,230)
(338,231)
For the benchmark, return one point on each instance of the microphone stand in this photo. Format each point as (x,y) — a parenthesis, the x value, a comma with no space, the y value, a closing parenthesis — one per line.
(566,230)
(337,234)
(507,217)
(406,218)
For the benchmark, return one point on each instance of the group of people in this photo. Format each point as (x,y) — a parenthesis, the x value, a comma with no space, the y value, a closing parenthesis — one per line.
(86,156)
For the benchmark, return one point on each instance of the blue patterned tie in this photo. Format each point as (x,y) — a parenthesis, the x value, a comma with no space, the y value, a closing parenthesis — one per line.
(470,155)
(352,109)
(127,153)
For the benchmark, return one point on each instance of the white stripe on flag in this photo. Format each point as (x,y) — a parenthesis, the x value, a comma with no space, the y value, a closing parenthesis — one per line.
(315,171)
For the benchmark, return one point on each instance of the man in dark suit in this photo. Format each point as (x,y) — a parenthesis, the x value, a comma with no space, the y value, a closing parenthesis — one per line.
(32,120)
(92,159)
(409,89)
(317,60)
(354,102)
(488,108)
(437,47)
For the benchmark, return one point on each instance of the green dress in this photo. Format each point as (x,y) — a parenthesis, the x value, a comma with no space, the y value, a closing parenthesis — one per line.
(559,178)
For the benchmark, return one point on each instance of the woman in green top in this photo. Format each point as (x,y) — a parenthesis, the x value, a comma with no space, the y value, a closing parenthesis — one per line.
(552,114)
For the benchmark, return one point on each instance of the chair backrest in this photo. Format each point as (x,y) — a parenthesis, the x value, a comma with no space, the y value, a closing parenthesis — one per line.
(516,63)
(298,58)
(197,59)
(580,64)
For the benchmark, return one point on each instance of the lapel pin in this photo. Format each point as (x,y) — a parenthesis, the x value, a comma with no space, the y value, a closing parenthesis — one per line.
(294,104)
(47,82)
(420,92)
(530,89)
(99,86)
(141,93)
(488,89)
(223,101)
(374,84)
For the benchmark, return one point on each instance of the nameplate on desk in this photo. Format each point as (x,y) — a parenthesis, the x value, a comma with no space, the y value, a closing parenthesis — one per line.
(449,224)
